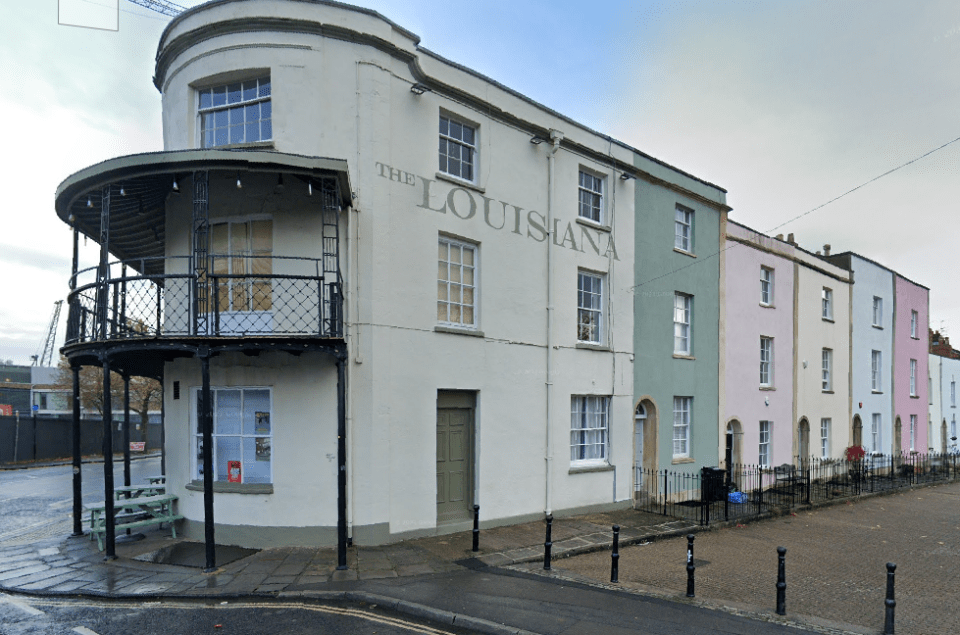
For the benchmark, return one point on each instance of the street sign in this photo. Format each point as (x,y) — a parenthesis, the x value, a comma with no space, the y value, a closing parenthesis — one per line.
(36,407)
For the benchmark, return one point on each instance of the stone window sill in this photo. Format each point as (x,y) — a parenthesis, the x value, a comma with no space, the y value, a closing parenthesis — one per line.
(593,347)
(461,182)
(586,222)
(770,388)
(682,459)
(767,306)
(830,320)
(583,469)
(679,356)
(219,487)
(458,331)
(685,253)
(827,392)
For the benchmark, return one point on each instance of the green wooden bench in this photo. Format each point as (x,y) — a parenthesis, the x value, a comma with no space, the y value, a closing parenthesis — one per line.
(133,513)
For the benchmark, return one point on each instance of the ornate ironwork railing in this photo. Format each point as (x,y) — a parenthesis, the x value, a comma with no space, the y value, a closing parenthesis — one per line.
(245,295)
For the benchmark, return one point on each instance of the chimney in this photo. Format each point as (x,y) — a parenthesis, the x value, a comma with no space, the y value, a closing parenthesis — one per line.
(791,240)
(826,250)
(779,236)
(818,252)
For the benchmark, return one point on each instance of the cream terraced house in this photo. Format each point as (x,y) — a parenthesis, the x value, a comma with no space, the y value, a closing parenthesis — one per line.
(379,288)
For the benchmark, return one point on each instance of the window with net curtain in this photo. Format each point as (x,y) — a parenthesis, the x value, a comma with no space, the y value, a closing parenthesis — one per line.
(242,435)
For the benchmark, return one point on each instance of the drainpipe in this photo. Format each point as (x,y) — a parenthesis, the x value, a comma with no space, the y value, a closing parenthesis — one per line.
(555,137)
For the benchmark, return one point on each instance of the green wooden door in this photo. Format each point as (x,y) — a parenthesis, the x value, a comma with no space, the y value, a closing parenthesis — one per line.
(454,464)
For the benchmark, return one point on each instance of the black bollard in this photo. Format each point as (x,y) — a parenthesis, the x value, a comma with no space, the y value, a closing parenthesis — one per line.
(476,528)
(615,555)
(891,604)
(690,567)
(548,545)
(781,582)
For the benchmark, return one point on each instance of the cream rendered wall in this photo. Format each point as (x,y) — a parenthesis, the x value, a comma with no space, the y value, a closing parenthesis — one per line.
(812,335)
(934,411)
(352,101)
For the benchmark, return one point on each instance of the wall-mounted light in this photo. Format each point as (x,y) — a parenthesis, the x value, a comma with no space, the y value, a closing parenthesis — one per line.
(123,192)
(89,202)
(71,218)
(626,177)
(239,184)
(279,187)
(535,140)
(175,187)
(418,88)
(309,188)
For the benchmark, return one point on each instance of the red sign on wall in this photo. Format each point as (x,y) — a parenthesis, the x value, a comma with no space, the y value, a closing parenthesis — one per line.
(6,410)
(233,472)
(137,446)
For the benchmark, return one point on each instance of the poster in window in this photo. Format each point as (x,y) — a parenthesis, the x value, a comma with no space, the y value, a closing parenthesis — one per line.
(263,448)
(262,423)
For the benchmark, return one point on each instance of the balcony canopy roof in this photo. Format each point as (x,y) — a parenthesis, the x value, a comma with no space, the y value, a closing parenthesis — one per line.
(137,217)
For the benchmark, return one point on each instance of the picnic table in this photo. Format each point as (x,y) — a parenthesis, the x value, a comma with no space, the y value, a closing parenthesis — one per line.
(130,513)
(157,479)
(136,491)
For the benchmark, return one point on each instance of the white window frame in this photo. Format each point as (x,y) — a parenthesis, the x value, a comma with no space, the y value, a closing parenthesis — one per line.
(682,424)
(683,229)
(589,429)
(913,432)
(197,460)
(451,293)
(825,424)
(590,304)
(236,105)
(766,361)
(914,319)
(826,359)
(913,378)
(590,196)
(255,294)
(878,311)
(826,297)
(453,163)
(763,457)
(766,286)
(876,371)
(876,430)
(682,323)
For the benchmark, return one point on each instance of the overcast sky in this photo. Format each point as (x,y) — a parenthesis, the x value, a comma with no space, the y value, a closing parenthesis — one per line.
(785,104)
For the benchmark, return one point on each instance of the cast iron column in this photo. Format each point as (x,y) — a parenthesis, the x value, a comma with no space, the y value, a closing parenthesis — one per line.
(126,430)
(77,484)
(341,461)
(108,463)
(207,423)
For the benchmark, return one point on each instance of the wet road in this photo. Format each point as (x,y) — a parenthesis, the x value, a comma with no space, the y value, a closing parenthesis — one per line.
(33,616)
(37,503)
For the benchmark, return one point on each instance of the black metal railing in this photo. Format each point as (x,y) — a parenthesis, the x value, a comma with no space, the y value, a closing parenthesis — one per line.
(749,491)
(236,296)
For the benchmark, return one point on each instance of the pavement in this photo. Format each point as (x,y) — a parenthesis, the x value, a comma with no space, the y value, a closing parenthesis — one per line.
(504,589)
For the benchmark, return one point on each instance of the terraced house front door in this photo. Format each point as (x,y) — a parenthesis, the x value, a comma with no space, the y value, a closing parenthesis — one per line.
(455,425)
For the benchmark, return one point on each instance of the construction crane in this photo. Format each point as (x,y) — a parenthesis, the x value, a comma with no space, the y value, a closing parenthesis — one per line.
(46,357)
(161,6)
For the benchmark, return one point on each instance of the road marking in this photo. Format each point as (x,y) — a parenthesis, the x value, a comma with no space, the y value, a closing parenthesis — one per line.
(83,630)
(23,606)
(333,610)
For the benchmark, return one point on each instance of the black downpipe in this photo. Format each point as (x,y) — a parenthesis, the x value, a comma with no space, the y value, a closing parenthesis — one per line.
(341,462)
(126,429)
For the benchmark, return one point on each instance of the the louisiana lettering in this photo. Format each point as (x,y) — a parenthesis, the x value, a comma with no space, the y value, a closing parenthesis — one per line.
(463,204)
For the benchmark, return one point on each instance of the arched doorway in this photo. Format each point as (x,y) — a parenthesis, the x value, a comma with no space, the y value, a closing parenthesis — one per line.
(897,442)
(803,439)
(857,431)
(734,452)
(644,445)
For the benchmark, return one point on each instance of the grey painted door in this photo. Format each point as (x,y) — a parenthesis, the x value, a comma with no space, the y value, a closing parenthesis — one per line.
(454,464)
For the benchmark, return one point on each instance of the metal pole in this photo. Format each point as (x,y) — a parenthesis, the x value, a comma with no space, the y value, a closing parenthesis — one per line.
(163,426)
(476,528)
(781,581)
(891,604)
(615,555)
(207,423)
(109,517)
(548,544)
(341,461)
(126,430)
(690,567)
(77,484)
